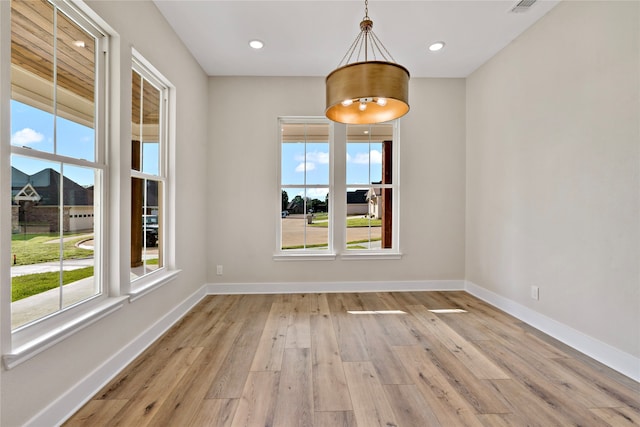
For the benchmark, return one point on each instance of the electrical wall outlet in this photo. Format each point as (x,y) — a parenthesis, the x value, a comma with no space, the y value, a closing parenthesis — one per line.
(535,292)
(219,270)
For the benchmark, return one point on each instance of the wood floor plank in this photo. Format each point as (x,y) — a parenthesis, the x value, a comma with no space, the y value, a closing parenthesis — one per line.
(318,304)
(496,323)
(559,399)
(268,355)
(213,412)
(180,406)
(214,311)
(135,377)
(581,390)
(335,419)
(257,403)
(409,406)
(299,328)
(627,393)
(376,341)
(295,393)
(231,376)
(370,403)
(475,391)
(96,413)
(446,403)
(348,333)
(396,331)
(330,392)
(618,417)
(527,408)
(480,365)
(499,420)
(141,409)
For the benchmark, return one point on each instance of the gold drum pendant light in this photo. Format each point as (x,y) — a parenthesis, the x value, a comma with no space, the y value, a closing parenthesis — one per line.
(364,92)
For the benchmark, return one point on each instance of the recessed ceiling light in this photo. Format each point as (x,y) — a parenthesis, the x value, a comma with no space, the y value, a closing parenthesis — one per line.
(434,47)
(256,44)
(79,43)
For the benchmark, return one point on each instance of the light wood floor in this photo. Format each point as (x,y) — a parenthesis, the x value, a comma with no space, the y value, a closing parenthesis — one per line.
(368,359)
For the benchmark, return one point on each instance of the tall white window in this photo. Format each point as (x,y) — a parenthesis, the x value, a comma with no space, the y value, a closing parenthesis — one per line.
(149,152)
(371,188)
(304,179)
(57,160)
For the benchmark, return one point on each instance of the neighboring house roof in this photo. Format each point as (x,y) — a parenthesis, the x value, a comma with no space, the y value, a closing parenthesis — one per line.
(27,193)
(357,197)
(46,184)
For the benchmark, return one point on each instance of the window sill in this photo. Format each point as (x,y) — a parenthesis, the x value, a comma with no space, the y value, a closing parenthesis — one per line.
(28,349)
(305,257)
(149,284)
(367,256)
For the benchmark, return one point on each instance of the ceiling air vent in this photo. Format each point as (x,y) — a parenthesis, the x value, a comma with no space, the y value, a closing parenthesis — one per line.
(522,6)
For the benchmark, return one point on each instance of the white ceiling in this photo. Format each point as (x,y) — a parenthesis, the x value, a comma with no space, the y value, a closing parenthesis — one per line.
(309,38)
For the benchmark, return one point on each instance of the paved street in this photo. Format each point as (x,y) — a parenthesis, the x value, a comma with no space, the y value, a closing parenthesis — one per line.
(293,231)
(45,267)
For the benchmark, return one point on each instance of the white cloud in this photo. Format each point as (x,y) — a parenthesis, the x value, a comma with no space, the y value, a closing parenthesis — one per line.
(315,157)
(308,166)
(26,136)
(317,193)
(363,158)
(318,157)
(376,157)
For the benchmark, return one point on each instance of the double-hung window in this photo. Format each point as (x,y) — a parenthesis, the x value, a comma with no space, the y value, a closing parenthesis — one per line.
(149,166)
(58,168)
(339,189)
(371,188)
(305,184)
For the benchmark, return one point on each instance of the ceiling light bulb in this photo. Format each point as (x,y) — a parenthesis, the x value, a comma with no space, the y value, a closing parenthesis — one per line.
(347,102)
(79,43)
(362,106)
(381,102)
(256,44)
(434,47)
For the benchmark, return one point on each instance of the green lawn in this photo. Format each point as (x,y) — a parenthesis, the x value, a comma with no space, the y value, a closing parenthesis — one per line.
(32,284)
(324,245)
(352,222)
(37,248)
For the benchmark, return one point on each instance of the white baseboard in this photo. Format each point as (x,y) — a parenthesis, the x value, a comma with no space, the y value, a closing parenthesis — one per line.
(70,402)
(616,359)
(333,287)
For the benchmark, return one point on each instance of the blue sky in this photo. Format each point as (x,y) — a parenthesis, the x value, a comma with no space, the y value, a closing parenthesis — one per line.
(364,165)
(34,129)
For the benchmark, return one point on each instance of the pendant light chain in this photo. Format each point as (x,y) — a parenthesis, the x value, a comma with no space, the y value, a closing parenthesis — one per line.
(367,43)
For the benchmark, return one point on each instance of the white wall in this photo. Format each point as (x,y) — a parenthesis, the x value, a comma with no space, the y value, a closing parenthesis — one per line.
(553,170)
(244,193)
(30,387)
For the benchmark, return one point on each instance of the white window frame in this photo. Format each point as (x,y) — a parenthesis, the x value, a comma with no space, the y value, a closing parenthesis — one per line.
(144,284)
(382,253)
(338,205)
(304,254)
(28,340)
